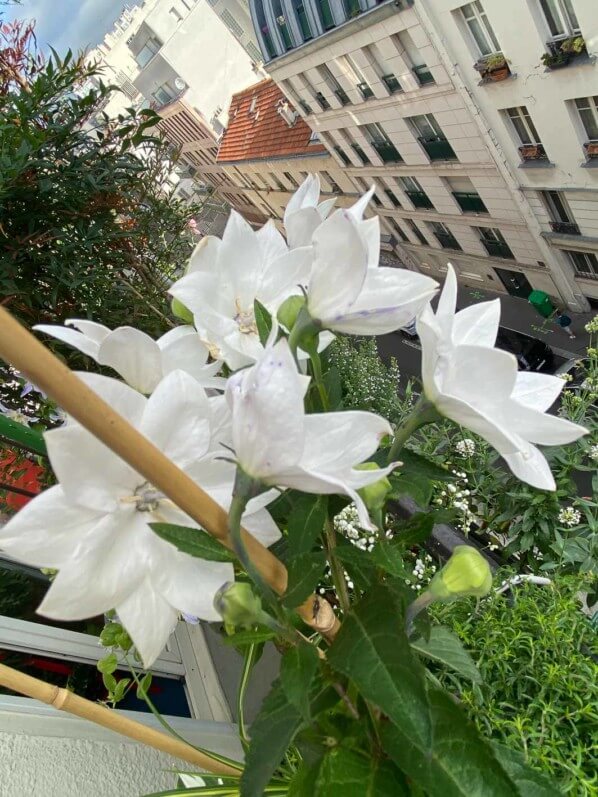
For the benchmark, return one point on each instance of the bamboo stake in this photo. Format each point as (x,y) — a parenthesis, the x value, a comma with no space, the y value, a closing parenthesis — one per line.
(64,700)
(20,348)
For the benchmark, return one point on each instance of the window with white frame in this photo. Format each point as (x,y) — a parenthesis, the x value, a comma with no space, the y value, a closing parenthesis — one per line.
(560,17)
(426,127)
(174,12)
(165,93)
(479,26)
(523,125)
(587,108)
(585,263)
(147,52)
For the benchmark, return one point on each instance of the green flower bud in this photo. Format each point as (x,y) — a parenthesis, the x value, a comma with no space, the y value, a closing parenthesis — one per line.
(374,495)
(181,312)
(289,310)
(238,604)
(467,572)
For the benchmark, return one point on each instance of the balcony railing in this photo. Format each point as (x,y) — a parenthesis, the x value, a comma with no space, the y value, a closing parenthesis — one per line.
(586,275)
(420,200)
(438,149)
(391,83)
(423,75)
(387,151)
(470,202)
(366,90)
(361,154)
(446,240)
(342,96)
(533,152)
(322,101)
(497,249)
(565,227)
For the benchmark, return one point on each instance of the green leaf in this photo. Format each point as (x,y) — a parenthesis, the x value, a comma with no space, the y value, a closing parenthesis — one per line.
(121,688)
(530,782)
(110,634)
(418,465)
(304,781)
(415,530)
(373,651)
(456,762)
(108,664)
(305,571)
(389,557)
(345,773)
(305,523)
(109,682)
(195,542)
(272,732)
(144,685)
(263,321)
(298,668)
(249,636)
(446,647)
(334,387)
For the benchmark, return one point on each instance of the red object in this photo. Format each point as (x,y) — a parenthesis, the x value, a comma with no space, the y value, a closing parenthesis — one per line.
(28,478)
(256,129)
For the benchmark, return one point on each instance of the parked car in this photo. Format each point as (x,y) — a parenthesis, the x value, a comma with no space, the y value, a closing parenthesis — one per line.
(531,354)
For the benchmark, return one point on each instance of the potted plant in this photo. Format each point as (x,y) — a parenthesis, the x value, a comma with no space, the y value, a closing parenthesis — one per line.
(591,149)
(531,152)
(556,60)
(494,67)
(574,46)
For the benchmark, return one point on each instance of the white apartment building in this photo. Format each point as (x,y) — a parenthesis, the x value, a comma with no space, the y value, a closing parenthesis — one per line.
(391,89)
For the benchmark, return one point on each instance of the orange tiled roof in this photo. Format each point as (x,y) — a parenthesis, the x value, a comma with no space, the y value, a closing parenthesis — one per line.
(258,131)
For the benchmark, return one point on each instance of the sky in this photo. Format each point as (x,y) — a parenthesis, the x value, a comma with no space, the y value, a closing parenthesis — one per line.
(61,24)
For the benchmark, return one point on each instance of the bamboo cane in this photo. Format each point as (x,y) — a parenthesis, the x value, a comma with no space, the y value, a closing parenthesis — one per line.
(65,700)
(20,348)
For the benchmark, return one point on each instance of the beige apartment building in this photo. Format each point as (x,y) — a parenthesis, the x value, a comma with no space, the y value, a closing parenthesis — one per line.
(393,94)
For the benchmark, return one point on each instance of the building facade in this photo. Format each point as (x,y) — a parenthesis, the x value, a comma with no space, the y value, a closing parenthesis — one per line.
(392,91)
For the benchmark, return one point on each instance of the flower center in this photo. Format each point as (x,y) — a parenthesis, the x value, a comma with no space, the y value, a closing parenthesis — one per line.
(245,320)
(147,498)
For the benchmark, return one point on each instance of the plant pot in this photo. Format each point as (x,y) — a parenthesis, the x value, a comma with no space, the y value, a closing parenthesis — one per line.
(591,149)
(496,75)
(531,151)
(560,62)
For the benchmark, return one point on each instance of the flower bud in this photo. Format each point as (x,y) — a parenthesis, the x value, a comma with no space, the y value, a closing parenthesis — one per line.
(374,495)
(289,310)
(467,572)
(238,604)
(181,312)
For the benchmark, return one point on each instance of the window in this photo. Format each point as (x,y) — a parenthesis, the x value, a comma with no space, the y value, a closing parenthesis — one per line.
(165,93)
(468,199)
(334,186)
(147,52)
(406,47)
(494,242)
(342,155)
(174,12)
(358,78)
(398,229)
(291,179)
(356,148)
(431,137)
(393,197)
(322,101)
(231,23)
(560,17)
(295,98)
(417,232)
(381,143)
(281,21)
(561,217)
(333,84)
(264,30)
(325,14)
(587,109)
(480,28)
(523,125)
(415,192)
(277,182)
(584,263)
(302,19)
(444,236)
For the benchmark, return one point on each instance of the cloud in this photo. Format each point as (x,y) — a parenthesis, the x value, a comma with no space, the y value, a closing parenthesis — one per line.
(78,24)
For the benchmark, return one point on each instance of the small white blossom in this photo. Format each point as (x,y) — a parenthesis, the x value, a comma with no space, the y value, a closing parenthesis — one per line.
(466,448)
(594,452)
(569,516)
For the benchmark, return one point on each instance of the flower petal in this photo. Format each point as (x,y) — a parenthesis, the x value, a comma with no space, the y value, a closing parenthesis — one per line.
(358,209)
(271,242)
(477,325)
(540,427)
(283,276)
(190,584)
(339,268)
(124,399)
(261,525)
(325,207)
(149,619)
(482,377)
(537,391)
(205,255)
(189,354)
(182,331)
(336,441)
(240,260)
(301,225)
(73,338)
(479,421)
(531,467)
(91,329)
(306,196)
(133,355)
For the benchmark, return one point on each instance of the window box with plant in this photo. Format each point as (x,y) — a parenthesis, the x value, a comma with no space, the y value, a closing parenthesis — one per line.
(533,152)
(563,51)
(591,149)
(493,68)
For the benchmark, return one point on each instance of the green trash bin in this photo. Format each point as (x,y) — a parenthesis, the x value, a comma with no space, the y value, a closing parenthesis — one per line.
(542,302)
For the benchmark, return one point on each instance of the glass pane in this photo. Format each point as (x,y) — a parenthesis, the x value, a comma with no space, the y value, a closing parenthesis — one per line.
(590,122)
(570,14)
(558,206)
(553,17)
(480,37)
(531,126)
(520,128)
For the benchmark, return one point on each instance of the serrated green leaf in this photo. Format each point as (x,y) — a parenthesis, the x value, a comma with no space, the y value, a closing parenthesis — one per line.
(304,781)
(418,465)
(357,563)
(345,773)
(416,529)
(249,637)
(418,488)
(373,651)
(305,571)
(306,522)
(263,321)
(389,557)
(530,782)
(445,647)
(456,762)
(194,542)
(297,670)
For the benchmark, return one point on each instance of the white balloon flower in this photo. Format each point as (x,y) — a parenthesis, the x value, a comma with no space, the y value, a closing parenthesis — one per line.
(479,386)
(348,292)
(226,276)
(93,527)
(304,212)
(277,444)
(140,360)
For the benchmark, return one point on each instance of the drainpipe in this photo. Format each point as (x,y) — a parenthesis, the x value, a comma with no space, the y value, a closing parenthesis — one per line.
(564,283)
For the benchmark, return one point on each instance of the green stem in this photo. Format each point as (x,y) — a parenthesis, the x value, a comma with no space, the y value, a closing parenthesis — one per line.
(304,327)
(316,365)
(248,664)
(424,412)
(336,568)
(235,513)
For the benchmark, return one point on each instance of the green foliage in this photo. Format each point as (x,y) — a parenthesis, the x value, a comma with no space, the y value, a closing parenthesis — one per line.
(194,542)
(305,571)
(537,656)
(443,646)
(305,523)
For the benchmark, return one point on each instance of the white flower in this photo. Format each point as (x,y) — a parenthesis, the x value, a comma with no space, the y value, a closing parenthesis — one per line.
(594,452)
(16,415)
(278,444)
(304,212)
(479,387)
(348,292)
(466,447)
(93,526)
(569,516)
(140,360)
(226,276)
(592,326)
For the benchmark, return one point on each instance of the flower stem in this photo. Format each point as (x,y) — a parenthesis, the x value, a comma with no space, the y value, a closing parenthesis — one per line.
(304,328)
(316,365)
(235,513)
(424,412)
(336,568)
